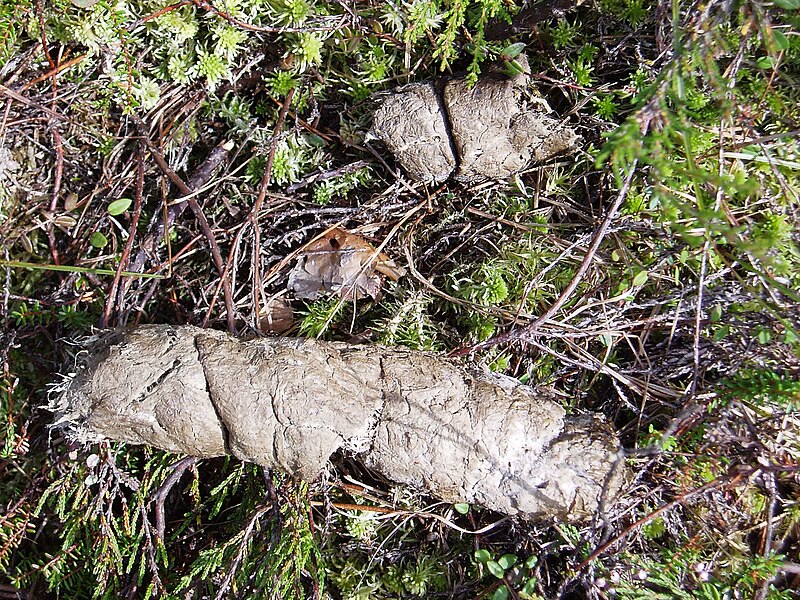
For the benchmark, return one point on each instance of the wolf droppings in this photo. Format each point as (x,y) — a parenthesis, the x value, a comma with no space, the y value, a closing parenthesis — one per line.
(487,131)
(457,433)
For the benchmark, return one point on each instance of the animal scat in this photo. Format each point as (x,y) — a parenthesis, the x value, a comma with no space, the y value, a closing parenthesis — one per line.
(476,133)
(459,433)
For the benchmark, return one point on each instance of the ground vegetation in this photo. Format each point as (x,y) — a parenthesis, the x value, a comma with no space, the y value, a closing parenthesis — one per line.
(169,162)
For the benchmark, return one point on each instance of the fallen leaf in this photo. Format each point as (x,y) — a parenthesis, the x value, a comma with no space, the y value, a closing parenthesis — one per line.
(276,316)
(341,263)
(71,202)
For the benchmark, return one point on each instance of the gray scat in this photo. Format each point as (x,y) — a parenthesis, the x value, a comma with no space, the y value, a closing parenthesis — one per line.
(473,134)
(461,434)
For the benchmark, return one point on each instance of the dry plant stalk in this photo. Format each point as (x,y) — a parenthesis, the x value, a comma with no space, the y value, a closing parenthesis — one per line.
(458,433)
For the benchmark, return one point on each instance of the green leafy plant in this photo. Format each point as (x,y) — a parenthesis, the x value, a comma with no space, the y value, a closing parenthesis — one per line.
(321,315)
(563,35)
(516,576)
(761,388)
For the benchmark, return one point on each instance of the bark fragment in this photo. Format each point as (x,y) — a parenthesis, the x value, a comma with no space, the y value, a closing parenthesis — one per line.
(460,434)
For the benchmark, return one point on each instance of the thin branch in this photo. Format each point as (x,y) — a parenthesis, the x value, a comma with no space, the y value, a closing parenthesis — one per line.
(126,252)
(161,223)
(247,535)
(526,333)
(59,169)
(329,174)
(262,194)
(160,496)
(55,70)
(209,7)
(711,485)
(204,226)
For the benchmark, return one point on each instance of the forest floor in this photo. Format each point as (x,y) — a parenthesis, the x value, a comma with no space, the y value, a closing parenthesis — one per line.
(172,162)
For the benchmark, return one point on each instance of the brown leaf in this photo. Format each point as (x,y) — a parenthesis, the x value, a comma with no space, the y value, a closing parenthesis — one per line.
(276,316)
(341,263)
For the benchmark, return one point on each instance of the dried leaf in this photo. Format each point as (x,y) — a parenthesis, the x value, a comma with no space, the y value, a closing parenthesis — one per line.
(65,221)
(276,316)
(26,243)
(71,202)
(341,263)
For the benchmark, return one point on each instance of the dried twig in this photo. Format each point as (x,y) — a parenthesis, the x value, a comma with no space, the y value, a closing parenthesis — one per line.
(262,193)
(43,33)
(55,70)
(329,174)
(28,102)
(209,7)
(711,485)
(204,226)
(59,169)
(160,496)
(526,333)
(126,252)
(161,223)
(247,534)
(150,549)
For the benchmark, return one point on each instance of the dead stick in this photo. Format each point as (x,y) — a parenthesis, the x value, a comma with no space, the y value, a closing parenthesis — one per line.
(166,9)
(262,194)
(247,534)
(228,267)
(204,225)
(56,136)
(210,8)
(218,262)
(161,494)
(55,70)
(322,176)
(43,33)
(27,101)
(531,328)
(149,547)
(716,483)
(161,223)
(59,170)
(126,252)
